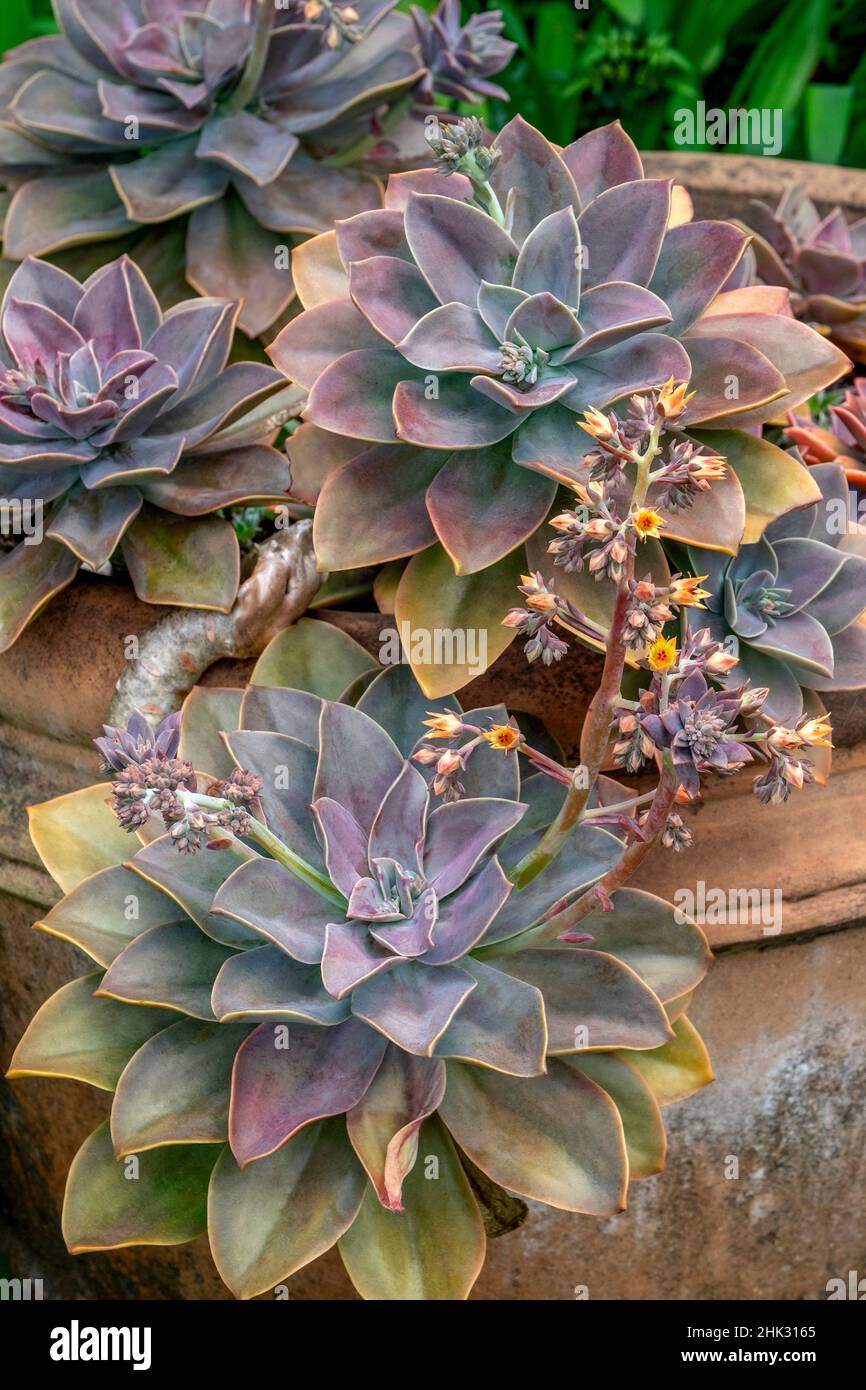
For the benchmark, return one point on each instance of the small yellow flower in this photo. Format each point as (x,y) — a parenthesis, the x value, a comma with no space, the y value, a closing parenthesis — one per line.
(817,733)
(442,725)
(708,467)
(673,399)
(648,523)
(662,655)
(503,736)
(686,592)
(596,423)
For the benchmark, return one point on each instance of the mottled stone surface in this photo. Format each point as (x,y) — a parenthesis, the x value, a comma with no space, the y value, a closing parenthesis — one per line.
(721,185)
(786,1029)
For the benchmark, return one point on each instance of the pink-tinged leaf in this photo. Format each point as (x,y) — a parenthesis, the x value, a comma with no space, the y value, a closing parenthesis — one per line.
(372,509)
(37,336)
(267,708)
(460,833)
(501,1025)
(695,261)
(496,305)
(391,293)
(172,967)
(206,482)
(720,365)
(383,1127)
(376,233)
(351,956)
(192,882)
(544,321)
(622,231)
(287,768)
(268,1220)
(413,1005)
(353,396)
(92,916)
(602,159)
(118,309)
(400,186)
(207,711)
(552,387)
(276,905)
(451,337)
(662,946)
(245,144)
(551,442)
(591,1000)
(534,174)
(447,413)
(229,253)
(413,936)
(316,338)
(287,1076)
(555,1138)
(345,843)
(482,506)
(609,313)
(464,919)
(265,983)
(549,259)
(313,455)
(358,762)
(636,365)
(456,246)
(398,830)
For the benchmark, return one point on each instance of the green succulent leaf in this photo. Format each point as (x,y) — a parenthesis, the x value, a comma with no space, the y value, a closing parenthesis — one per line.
(431,1251)
(173,967)
(193,881)
(773,482)
(642,1122)
(194,563)
(175,1090)
(107,911)
(76,835)
(207,711)
(30,576)
(676,1070)
(314,656)
(269,1219)
(395,700)
(160,1201)
(84,1037)
(669,955)
(556,1138)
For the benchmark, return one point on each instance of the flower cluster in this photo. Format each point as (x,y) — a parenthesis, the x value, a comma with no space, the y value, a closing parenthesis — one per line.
(786,769)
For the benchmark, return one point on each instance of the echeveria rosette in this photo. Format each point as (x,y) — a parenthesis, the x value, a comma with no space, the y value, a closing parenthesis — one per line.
(449,358)
(821,260)
(791,606)
(408,1037)
(251,118)
(128,428)
(844,442)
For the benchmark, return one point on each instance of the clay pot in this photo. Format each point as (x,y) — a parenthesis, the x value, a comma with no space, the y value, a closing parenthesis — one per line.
(781,1011)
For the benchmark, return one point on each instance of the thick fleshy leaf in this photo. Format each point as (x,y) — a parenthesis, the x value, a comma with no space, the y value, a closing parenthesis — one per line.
(612,312)
(76,835)
(318,271)
(273,903)
(586,856)
(106,911)
(668,953)
(192,880)
(645,1139)
(464,918)
(62,210)
(274,709)
(643,361)
(456,246)
(413,1006)
(370,235)
(357,764)
(549,259)
(798,638)
(344,844)
(449,413)
(451,337)
(591,1000)
(353,395)
(501,1025)
(431,598)
(460,833)
(30,576)
(265,983)
(483,507)
(351,956)
(392,295)
(206,482)
(229,252)
(313,656)
(207,711)
(530,171)
(246,144)
(287,1076)
(173,966)
(773,482)
(168,182)
(175,1090)
(556,1138)
(91,524)
(544,321)
(431,1251)
(622,231)
(373,509)
(398,829)
(396,702)
(268,1220)
(165,1205)
(77,1035)
(694,263)
(173,560)
(311,342)
(287,768)
(383,1127)
(601,159)
(676,1070)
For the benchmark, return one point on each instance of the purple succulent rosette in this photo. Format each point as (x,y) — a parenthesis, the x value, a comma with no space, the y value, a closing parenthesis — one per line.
(461,58)
(821,260)
(123,426)
(791,606)
(292,1036)
(254,118)
(844,442)
(452,340)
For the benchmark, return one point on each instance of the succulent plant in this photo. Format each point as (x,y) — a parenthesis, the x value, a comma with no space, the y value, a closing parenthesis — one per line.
(253,118)
(461,58)
(844,442)
(821,260)
(314,1034)
(451,340)
(123,426)
(791,606)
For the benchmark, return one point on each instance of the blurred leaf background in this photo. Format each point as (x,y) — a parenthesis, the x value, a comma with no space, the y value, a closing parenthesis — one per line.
(642,60)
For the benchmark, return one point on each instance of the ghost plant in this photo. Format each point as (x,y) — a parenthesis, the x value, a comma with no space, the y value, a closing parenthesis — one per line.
(452,341)
(123,426)
(251,120)
(821,260)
